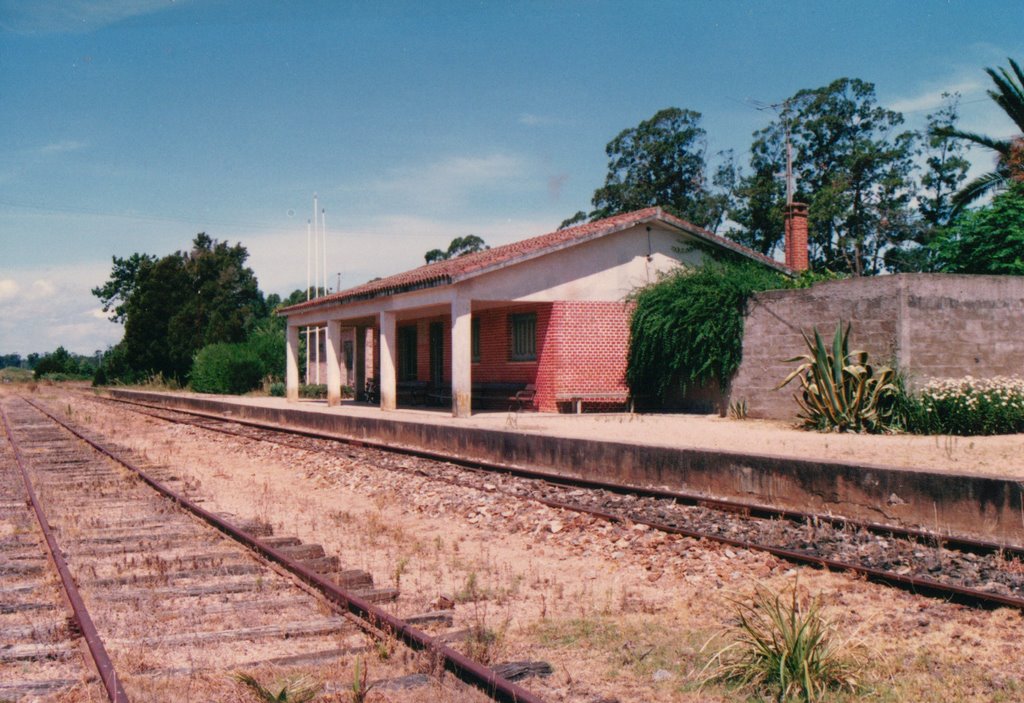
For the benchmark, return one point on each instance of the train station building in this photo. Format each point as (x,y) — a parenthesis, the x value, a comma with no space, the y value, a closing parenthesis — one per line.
(541,323)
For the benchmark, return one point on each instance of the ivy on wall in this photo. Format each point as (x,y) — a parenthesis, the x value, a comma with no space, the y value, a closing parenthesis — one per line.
(687,329)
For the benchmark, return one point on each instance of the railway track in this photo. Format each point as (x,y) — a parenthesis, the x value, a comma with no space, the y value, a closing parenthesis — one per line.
(181,598)
(39,654)
(970,572)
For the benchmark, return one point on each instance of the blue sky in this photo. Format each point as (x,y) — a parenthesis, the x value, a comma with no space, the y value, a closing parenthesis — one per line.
(130,125)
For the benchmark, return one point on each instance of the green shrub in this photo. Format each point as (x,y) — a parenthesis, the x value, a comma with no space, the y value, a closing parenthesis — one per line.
(840,390)
(15,375)
(267,343)
(57,377)
(278,390)
(313,390)
(966,406)
(226,368)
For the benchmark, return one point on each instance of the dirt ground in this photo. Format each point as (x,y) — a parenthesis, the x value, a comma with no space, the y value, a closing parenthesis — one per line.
(621,613)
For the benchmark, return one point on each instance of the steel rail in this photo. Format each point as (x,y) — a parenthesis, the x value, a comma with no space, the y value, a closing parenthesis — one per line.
(723,505)
(97,651)
(464,668)
(915,584)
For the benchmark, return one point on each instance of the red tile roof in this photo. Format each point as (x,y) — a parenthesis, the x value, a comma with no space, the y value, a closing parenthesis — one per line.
(452,270)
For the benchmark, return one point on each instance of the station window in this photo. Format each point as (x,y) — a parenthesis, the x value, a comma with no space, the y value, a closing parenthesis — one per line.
(475,344)
(523,337)
(407,353)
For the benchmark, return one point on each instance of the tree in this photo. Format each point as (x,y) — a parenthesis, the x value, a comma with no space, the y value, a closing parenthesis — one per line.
(173,306)
(225,302)
(660,162)
(161,289)
(853,168)
(945,164)
(1009,96)
(945,168)
(989,240)
(460,246)
(115,292)
(579,218)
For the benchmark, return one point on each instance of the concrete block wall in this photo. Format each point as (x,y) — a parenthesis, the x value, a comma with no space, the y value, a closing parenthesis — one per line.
(929,325)
(959,325)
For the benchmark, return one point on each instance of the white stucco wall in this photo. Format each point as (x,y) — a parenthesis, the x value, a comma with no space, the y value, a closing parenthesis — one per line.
(607,268)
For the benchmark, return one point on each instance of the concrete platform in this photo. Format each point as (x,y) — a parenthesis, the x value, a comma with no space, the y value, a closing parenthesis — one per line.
(666,451)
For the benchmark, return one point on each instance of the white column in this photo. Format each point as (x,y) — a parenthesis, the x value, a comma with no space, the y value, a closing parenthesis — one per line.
(333,362)
(462,356)
(388,358)
(292,363)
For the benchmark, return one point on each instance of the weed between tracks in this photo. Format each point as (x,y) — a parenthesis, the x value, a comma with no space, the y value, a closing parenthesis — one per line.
(782,646)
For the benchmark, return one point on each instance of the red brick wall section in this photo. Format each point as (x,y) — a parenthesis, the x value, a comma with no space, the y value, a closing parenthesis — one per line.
(581,347)
(494,364)
(589,341)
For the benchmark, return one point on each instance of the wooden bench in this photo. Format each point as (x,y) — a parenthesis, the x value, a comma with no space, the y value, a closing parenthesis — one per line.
(578,399)
(523,398)
(412,392)
(439,395)
(488,394)
(496,394)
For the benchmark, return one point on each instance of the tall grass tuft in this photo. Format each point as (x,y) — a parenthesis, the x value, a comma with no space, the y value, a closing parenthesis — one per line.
(298,689)
(781,646)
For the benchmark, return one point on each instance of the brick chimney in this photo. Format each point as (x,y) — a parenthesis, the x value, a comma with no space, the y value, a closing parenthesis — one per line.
(796,236)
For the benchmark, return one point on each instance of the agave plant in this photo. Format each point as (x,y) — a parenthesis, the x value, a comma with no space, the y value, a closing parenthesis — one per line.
(841,391)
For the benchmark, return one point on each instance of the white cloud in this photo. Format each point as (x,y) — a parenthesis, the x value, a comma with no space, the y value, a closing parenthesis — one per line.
(42,288)
(8,288)
(50,306)
(977,112)
(932,98)
(62,147)
(375,246)
(73,16)
(452,181)
(531,120)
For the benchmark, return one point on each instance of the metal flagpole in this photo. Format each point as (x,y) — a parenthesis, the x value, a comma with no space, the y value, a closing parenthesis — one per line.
(309,251)
(316,279)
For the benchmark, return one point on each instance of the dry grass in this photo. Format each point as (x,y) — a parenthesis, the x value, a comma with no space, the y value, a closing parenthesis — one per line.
(617,612)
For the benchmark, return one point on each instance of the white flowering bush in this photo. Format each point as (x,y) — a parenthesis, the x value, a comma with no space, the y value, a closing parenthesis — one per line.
(967,406)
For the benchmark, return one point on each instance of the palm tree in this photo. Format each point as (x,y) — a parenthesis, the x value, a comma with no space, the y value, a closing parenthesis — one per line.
(1009,95)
